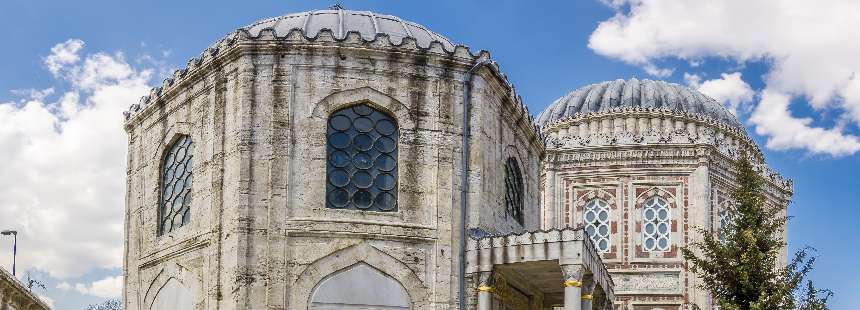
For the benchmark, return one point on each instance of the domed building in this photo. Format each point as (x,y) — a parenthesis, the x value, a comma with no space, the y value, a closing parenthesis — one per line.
(335,159)
(339,159)
(639,164)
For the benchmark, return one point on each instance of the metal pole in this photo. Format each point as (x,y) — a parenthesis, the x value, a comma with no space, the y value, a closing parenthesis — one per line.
(14,252)
(464,194)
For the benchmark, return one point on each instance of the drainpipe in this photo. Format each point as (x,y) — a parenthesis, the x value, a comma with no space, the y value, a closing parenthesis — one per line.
(464,181)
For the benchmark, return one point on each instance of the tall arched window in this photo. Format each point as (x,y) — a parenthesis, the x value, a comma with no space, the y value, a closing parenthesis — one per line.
(725,222)
(656,219)
(361,160)
(596,218)
(514,190)
(174,210)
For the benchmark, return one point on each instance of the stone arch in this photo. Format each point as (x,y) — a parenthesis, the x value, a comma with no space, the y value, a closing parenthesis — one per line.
(359,286)
(174,278)
(367,95)
(173,133)
(340,260)
(172,296)
(656,191)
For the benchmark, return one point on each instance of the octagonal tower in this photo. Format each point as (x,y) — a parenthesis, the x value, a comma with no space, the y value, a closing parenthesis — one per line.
(313,161)
(639,164)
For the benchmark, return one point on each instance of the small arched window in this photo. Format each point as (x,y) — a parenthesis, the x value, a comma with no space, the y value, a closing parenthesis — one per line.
(514,190)
(176,177)
(656,217)
(361,160)
(596,217)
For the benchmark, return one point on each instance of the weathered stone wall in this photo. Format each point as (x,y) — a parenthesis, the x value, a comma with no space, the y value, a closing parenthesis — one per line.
(260,235)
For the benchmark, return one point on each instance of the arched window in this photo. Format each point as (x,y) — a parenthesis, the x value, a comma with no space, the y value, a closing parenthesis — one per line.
(361,160)
(656,220)
(174,210)
(514,190)
(596,217)
(725,222)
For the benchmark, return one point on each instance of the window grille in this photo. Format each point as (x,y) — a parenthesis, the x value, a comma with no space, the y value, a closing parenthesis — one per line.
(361,160)
(514,190)
(596,217)
(656,219)
(176,176)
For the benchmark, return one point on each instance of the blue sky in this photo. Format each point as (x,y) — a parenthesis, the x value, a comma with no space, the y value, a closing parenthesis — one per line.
(794,88)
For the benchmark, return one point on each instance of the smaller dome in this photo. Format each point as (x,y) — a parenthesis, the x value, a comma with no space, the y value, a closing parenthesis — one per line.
(341,22)
(634,93)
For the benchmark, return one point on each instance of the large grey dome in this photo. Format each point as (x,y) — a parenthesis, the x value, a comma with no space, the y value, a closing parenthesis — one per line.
(634,93)
(341,22)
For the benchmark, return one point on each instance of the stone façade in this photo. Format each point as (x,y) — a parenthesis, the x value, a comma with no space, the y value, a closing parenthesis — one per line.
(260,235)
(256,105)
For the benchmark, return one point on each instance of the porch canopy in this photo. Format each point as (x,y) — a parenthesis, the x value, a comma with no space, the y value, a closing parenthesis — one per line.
(538,270)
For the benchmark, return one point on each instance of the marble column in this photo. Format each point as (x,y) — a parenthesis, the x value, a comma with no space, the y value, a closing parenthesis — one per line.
(485,298)
(572,286)
(587,296)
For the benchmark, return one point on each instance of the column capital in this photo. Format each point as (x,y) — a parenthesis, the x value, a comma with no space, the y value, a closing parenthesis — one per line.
(588,285)
(573,273)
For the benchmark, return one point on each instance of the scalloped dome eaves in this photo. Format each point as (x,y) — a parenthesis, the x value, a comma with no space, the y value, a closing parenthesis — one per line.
(340,21)
(637,94)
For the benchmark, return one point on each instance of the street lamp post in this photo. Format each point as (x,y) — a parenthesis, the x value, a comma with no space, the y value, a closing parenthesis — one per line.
(14,246)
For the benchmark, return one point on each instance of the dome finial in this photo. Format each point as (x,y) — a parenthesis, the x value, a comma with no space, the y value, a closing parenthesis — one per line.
(336,6)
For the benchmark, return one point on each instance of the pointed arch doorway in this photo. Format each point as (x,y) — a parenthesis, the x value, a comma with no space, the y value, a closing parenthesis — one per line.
(360,286)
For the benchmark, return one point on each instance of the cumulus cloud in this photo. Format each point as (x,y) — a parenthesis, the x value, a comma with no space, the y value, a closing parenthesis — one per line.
(63,182)
(109,287)
(63,54)
(730,89)
(773,120)
(809,46)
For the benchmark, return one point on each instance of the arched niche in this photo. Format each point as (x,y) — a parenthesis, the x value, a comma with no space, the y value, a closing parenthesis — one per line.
(173,296)
(360,286)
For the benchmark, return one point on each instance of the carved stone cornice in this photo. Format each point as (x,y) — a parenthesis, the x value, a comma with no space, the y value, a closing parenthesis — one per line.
(268,41)
(637,134)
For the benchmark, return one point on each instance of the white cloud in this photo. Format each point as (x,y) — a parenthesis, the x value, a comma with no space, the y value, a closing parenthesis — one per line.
(657,71)
(773,119)
(105,288)
(730,89)
(810,47)
(63,183)
(63,54)
(65,286)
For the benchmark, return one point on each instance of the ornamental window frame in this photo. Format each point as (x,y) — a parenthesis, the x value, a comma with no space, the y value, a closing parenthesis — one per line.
(598,206)
(661,216)
(184,143)
(367,171)
(725,219)
(514,190)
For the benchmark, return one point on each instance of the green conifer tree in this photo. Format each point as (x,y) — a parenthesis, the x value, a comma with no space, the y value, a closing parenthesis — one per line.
(743,270)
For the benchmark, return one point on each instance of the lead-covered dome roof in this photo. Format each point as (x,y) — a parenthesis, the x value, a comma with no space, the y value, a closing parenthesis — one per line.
(637,94)
(341,22)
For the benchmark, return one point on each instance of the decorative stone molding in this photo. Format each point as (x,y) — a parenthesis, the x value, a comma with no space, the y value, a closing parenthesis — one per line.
(241,41)
(360,253)
(183,275)
(650,283)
